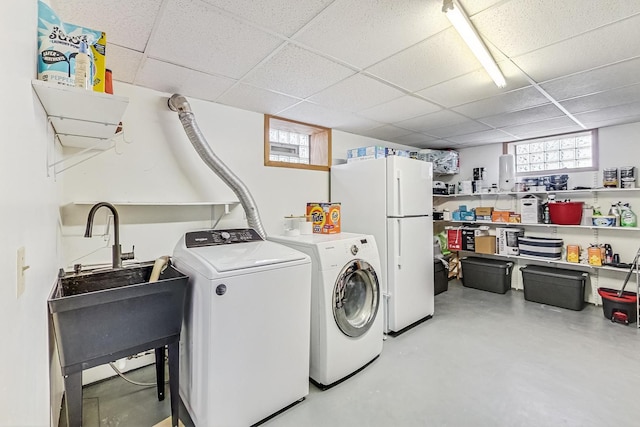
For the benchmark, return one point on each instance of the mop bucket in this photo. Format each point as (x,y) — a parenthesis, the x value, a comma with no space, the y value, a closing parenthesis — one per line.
(622,309)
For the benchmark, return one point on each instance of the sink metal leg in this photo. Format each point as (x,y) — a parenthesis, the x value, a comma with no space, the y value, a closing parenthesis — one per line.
(160,372)
(73,398)
(174,380)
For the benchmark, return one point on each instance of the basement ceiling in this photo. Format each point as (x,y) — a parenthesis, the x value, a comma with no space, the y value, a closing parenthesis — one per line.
(392,70)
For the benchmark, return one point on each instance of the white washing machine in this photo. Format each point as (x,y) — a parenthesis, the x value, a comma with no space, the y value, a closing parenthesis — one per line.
(244,349)
(346,319)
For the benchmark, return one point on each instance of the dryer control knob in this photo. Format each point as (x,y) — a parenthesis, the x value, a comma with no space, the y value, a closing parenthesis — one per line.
(225,235)
(354,249)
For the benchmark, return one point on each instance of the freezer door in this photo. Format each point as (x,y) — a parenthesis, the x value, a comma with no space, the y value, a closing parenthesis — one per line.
(409,271)
(409,187)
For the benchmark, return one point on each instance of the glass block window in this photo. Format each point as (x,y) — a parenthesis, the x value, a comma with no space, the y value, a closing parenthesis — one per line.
(298,145)
(556,154)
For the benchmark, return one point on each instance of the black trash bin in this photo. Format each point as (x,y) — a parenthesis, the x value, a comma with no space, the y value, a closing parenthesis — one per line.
(440,279)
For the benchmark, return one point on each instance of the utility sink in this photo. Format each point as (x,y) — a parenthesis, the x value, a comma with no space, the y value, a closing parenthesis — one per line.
(97,315)
(101,316)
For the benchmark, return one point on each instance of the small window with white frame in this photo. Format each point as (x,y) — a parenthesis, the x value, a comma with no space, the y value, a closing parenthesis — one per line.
(571,152)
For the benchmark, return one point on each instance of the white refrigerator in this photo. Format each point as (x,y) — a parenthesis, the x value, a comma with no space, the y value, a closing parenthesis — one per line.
(391,198)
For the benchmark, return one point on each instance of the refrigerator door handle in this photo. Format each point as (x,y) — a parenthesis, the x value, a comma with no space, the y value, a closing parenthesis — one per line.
(398,242)
(399,191)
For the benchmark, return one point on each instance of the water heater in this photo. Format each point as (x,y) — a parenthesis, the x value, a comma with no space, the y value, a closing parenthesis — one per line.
(507,172)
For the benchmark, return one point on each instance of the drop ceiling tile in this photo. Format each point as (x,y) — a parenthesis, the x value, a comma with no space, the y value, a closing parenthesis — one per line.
(297,72)
(611,115)
(438,144)
(596,80)
(414,139)
(314,114)
(276,15)
(474,86)
(386,132)
(468,126)
(364,32)
(484,137)
(543,128)
(355,93)
(123,63)
(440,58)
(399,109)
(510,101)
(197,36)
(255,99)
(432,121)
(543,112)
(356,124)
(598,101)
(520,26)
(170,78)
(127,23)
(584,52)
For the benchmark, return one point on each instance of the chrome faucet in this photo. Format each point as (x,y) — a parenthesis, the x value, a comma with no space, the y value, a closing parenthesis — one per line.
(116,252)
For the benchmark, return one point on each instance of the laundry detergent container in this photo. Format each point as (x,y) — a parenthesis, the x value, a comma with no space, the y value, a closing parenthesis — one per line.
(486,274)
(565,213)
(554,286)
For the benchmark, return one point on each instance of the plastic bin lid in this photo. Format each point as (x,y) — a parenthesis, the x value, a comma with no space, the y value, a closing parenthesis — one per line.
(561,273)
(487,262)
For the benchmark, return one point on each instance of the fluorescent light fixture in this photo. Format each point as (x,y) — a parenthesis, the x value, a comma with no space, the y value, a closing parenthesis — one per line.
(463,25)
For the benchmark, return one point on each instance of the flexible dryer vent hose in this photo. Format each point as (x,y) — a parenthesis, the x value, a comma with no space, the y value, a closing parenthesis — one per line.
(180,104)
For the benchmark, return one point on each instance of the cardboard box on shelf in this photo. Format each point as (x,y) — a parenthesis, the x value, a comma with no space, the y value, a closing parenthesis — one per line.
(454,239)
(507,240)
(485,244)
(530,209)
(500,216)
(469,235)
(483,211)
(515,218)
(325,216)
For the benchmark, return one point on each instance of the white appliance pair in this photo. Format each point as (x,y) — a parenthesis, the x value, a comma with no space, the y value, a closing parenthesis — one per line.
(346,319)
(391,198)
(244,349)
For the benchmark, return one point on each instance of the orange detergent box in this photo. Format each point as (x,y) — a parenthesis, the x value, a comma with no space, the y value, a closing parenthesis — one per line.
(325,216)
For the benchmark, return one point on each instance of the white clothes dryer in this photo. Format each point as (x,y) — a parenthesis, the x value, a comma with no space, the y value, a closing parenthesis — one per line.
(346,319)
(244,349)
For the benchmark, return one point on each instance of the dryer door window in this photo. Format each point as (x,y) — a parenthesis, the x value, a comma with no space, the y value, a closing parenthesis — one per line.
(356,297)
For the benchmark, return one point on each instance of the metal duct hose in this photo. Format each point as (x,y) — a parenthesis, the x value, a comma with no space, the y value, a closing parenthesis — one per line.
(180,104)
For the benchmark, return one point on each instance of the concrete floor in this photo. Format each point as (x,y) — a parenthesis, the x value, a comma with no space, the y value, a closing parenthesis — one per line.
(483,360)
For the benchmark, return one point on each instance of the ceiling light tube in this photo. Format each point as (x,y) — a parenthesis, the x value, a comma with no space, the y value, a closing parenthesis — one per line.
(463,25)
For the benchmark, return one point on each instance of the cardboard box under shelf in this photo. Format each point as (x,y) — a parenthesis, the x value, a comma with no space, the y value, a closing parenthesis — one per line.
(485,244)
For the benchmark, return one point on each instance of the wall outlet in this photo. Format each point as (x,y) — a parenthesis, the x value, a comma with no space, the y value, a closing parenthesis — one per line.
(21,268)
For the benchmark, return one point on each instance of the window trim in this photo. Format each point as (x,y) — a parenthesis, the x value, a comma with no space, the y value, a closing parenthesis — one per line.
(267,145)
(509,148)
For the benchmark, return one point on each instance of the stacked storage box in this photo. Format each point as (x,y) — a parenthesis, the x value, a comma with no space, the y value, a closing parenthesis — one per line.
(554,286)
(486,274)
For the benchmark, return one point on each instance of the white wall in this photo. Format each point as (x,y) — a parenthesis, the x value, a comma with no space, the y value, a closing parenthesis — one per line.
(29,206)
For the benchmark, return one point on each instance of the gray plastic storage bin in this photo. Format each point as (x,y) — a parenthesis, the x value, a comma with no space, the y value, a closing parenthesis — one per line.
(491,275)
(554,286)
(440,277)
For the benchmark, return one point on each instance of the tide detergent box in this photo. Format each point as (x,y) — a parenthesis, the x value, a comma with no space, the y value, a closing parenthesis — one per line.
(325,217)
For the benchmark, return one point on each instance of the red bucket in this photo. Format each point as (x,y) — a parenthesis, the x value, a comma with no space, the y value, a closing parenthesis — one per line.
(625,304)
(565,213)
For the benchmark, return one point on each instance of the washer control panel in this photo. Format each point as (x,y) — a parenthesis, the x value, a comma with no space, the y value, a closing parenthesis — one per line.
(197,239)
